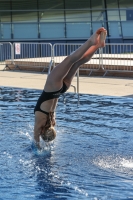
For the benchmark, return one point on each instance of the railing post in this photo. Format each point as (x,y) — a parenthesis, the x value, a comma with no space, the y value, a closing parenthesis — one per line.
(101,58)
(12,53)
(53,55)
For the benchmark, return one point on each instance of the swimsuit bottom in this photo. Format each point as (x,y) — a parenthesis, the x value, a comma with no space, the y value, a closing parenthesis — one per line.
(47,96)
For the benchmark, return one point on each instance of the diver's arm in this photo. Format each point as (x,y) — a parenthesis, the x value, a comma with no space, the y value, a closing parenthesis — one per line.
(40,121)
(53,108)
(53,119)
(36,134)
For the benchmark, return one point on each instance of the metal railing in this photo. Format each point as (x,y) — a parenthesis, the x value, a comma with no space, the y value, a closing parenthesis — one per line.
(114,57)
(6,54)
(117,58)
(32,55)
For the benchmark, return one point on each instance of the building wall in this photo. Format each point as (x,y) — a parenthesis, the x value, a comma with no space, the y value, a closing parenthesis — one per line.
(67,20)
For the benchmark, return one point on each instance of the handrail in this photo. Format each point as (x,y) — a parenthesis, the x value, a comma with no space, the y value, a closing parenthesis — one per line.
(114,57)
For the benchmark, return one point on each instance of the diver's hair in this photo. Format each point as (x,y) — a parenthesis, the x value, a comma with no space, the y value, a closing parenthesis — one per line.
(49,134)
(50,120)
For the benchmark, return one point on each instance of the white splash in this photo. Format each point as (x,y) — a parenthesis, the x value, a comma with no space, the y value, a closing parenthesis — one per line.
(115,163)
(127,163)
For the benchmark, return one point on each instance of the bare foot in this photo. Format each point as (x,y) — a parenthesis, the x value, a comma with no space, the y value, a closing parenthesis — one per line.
(98,37)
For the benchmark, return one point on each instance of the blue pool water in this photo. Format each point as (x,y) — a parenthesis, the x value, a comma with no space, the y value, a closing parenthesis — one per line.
(91,157)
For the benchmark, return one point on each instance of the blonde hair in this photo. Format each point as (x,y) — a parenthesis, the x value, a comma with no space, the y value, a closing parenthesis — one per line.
(49,134)
(50,122)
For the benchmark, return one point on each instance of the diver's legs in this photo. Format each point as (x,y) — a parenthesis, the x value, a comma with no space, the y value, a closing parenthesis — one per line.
(55,78)
(85,58)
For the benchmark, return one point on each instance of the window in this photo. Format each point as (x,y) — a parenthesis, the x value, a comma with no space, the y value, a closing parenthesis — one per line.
(78,16)
(112,4)
(51,4)
(77,4)
(97,10)
(125,4)
(5,16)
(51,16)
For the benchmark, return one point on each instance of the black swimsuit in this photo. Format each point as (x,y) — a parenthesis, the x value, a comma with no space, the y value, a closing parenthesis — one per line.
(47,96)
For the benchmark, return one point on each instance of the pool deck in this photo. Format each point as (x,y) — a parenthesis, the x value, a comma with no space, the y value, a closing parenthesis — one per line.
(120,87)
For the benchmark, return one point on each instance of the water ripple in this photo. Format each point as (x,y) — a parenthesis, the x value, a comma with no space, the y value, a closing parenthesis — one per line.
(91,157)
